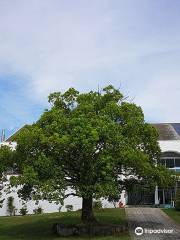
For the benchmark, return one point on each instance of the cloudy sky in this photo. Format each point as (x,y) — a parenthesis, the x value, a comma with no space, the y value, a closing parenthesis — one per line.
(51,45)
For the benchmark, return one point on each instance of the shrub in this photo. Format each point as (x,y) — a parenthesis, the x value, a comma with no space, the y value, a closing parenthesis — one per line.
(97,204)
(177,200)
(1,202)
(38,210)
(23,211)
(10,206)
(114,199)
(69,208)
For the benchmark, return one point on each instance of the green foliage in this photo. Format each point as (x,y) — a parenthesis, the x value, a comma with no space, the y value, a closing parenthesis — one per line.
(173,213)
(10,206)
(69,208)
(97,204)
(23,211)
(38,210)
(1,202)
(114,199)
(6,159)
(85,141)
(6,164)
(177,200)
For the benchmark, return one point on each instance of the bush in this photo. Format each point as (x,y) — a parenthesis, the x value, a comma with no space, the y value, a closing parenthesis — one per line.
(97,204)
(10,206)
(69,208)
(38,210)
(23,211)
(177,200)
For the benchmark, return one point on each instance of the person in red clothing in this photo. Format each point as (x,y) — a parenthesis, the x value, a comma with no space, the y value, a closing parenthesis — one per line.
(121,205)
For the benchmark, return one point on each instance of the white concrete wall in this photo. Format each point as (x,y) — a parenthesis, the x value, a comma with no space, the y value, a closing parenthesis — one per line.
(76,202)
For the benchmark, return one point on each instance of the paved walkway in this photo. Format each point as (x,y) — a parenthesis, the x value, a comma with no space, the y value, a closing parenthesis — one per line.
(151,219)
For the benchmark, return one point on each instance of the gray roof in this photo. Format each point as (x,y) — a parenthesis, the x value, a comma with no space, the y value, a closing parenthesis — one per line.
(168,131)
(14,136)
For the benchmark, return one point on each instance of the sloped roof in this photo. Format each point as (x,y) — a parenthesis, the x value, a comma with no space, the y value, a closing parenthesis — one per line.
(176,126)
(168,131)
(13,137)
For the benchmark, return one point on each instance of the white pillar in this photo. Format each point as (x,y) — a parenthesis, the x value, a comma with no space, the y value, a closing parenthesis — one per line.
(156,198)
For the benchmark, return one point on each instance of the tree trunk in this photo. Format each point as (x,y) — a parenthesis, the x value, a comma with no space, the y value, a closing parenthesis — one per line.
(87,211)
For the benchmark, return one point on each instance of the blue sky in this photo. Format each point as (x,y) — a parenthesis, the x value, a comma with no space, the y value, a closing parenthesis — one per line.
(51,45)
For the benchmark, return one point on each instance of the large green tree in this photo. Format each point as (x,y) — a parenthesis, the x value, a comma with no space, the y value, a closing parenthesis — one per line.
(85,142)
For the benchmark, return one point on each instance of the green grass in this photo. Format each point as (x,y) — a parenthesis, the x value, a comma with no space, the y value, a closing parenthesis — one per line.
(39,227)
(174,214)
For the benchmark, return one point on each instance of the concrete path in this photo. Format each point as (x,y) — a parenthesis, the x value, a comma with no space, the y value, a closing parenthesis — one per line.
(151,221)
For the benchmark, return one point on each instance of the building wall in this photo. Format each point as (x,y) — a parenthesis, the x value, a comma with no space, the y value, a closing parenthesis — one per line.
(47,207)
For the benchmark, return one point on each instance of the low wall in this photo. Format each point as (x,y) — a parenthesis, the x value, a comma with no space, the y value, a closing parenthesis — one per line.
(63,230)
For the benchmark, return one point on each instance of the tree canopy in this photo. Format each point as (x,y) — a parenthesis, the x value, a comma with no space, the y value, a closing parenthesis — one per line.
(85,142)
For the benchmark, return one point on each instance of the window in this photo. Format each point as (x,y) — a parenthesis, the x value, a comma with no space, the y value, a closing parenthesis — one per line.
(170,154)
(170,163)
(170,159)
(162,161)
(177,162)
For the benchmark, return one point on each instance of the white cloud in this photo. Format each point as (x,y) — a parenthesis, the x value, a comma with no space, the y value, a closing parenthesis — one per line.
(58,44)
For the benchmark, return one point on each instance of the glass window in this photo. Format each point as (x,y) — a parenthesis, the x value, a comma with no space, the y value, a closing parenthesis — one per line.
(162,161)
(170,154)
(170,163)
(177,162)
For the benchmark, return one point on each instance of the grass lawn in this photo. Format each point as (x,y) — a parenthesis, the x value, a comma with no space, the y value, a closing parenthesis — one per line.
(172,213)
(38,227)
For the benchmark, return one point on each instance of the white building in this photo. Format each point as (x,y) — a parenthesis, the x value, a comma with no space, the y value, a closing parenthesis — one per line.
(169,142)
